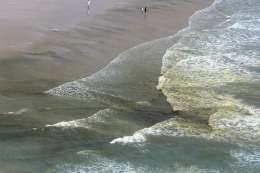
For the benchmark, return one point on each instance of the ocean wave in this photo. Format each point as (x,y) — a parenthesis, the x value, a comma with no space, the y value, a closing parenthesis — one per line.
(132,76)
(209,73)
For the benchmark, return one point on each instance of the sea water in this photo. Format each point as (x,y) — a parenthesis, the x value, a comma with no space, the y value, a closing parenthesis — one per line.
(185,103)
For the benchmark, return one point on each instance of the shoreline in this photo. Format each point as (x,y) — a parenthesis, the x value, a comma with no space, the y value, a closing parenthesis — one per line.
(87,46)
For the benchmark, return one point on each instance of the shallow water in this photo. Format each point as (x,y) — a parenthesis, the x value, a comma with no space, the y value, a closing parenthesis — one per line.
(202,115)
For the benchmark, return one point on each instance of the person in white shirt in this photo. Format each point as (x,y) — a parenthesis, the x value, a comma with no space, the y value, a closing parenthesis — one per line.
(88,3)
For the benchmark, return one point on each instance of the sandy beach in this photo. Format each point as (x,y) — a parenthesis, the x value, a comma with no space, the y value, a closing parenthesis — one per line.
(22,22)
(111,89)
(47,43)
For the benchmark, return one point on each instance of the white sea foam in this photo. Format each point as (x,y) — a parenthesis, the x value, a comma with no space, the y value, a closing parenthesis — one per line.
(98,163)
(106,122)
(18,112)
(208,73)
(237,26)
(56,30)
(136,138)
(102,116)
(247,158)
(71,124)
(193,169)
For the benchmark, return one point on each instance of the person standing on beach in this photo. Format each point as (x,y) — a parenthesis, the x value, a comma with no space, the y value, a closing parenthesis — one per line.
(145,10)
(142,9)
(88,3)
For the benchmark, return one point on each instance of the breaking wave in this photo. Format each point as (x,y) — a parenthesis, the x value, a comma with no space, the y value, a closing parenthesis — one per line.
(210,75)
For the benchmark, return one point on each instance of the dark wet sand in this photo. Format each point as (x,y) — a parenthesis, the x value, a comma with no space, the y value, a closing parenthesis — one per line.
(49,43)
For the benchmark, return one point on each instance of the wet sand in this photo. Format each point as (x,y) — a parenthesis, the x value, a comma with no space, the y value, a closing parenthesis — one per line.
(23,21)
(51,42)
